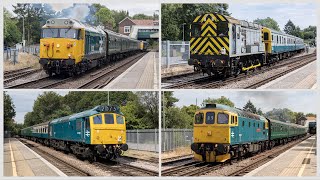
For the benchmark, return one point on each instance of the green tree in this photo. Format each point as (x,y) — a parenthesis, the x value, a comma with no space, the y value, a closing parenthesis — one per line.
(149,101)
(8,112)
(105,18)
(284,115)
(250,107)
(268,22)
(141,16)
(298,116)
(12,34)
(222,100)
(119,16)
(290,28)
(173,16)
(311,115)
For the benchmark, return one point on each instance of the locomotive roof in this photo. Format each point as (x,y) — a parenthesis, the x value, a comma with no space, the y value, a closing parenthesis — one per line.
(235,110)
(70,23)
(285,123)
(90,112)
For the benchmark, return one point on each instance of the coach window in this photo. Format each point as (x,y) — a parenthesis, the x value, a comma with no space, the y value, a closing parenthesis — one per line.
(199,118)
(108,119)
(86,119)
(254,124)
(210,118)
(223,118)
(249,124)
(277,39)
(232,119)
(97,119)
(242,123)
(236,118)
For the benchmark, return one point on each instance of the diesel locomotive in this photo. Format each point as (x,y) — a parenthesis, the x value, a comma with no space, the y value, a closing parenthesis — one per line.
(98,132)
(224,46)
(68,46)
(222,133)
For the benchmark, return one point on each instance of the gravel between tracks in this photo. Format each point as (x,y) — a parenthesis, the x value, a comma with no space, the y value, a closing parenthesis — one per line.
(90,168)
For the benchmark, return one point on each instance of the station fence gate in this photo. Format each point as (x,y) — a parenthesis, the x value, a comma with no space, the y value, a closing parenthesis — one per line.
(174,52)
(143,139)
(175,138)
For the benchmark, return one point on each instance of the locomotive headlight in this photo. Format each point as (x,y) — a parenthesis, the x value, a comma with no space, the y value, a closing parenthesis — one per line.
(119,138)
(223,51)
(58,45)
(66,22)
(52,22)
(69,55)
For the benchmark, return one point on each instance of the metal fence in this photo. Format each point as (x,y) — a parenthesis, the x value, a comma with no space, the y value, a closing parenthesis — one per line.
(11,54)
(143,139)
(174,52)
(175,138)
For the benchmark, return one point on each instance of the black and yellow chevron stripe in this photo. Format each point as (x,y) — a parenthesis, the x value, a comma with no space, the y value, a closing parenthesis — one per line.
(208,43)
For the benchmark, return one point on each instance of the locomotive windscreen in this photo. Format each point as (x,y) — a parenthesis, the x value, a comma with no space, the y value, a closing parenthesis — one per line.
(59,33)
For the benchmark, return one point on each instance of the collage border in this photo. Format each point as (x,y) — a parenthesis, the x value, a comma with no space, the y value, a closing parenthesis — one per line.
(159,90)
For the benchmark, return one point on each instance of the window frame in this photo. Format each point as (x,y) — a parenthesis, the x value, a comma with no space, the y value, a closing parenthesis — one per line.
(214,118)
(125,29)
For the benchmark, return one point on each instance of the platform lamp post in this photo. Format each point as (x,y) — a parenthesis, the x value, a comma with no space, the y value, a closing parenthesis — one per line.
(183,31)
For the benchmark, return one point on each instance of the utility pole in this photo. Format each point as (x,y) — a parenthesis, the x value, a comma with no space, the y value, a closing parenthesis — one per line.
(183,31)
(108,99)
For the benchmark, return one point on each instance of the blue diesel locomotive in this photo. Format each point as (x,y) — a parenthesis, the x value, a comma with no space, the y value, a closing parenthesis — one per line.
(98,132)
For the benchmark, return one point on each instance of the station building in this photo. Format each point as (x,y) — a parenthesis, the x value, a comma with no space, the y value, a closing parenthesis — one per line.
(140,29)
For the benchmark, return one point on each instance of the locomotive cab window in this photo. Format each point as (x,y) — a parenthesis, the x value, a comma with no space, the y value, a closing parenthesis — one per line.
(97,119)
(108,118)
(120,119)
(199,118)
(210,118)
(222,28)
(223,118)
(195,30)
(266,36)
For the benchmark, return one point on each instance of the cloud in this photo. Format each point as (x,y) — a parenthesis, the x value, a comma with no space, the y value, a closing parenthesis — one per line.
(298,101)
(23,101)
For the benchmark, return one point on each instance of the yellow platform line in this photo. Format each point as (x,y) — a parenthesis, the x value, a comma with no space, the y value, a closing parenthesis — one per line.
(14,167)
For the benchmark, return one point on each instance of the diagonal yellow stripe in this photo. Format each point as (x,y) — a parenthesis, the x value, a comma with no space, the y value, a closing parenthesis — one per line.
(191,40)
(221,17)
(207,22)
(199,46)
(216,43)
(209,29)
(204,17)
(195,43)
(227,39)
(215,50)
(196,19)
(224,45)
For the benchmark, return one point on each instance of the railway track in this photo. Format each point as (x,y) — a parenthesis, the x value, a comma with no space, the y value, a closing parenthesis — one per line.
(63,166)
(212,82)
(16,74)
(201,168)
(176,159)
(151,159)
(95,80)
(127,169)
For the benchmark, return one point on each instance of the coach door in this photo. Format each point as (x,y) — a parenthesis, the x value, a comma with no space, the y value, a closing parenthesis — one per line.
(238,39)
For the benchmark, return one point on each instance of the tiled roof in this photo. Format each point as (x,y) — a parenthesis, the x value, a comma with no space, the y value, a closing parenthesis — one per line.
(143,22)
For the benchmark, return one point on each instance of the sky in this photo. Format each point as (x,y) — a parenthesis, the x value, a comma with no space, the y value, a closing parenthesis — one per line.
(23,101)
(298,101)
(301,14)
(134,7)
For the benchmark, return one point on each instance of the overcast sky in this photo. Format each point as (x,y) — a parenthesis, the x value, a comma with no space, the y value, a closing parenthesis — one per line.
(301,14)
(133,6)
(23,101)
(298,101)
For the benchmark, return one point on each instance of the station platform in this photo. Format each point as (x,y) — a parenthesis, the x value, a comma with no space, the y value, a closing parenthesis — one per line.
(302,78)
(19,160)
(142,75)
(300,160)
